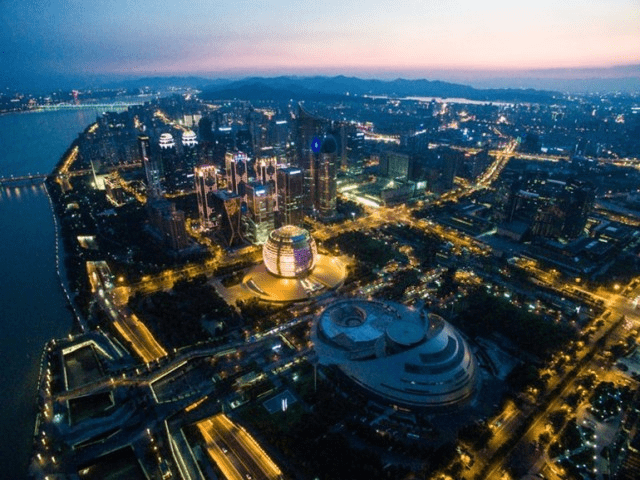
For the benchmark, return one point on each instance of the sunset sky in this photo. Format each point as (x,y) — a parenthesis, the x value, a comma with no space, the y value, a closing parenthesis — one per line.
(375,38)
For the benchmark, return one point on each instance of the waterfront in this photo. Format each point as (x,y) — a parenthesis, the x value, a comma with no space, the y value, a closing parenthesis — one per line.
(34,308)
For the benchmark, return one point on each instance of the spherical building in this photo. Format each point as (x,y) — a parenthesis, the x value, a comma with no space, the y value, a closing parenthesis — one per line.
(292,269)
(401,356)
(290,252)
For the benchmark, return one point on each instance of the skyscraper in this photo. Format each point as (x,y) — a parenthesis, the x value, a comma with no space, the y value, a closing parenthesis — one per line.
(308,130)
(168,224)
(317,154)
(290,196)
(266,174)
(206,183)
(151,167)
(236,166)
(258,221)
(228,207)
(576,200)
(326,181)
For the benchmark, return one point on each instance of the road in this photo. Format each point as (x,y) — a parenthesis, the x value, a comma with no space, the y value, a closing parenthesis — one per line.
(618,306)
(235,452)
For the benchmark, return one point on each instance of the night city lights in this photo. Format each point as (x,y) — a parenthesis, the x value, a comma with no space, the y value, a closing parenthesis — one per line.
(281,240)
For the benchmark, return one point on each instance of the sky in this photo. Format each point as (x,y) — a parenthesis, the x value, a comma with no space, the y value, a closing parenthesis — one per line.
(444,39)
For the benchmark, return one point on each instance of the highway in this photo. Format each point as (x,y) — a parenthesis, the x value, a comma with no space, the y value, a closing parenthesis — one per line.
(128,325)
(235,452)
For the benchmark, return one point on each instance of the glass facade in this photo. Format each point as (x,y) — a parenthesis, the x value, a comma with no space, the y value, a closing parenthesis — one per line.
(290,252)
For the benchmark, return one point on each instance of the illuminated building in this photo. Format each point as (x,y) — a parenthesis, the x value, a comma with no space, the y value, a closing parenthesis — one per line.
(166,141)
(189,139)
(401,356)
(317,156)
(290,196)
(227,206)
(152,168)
(266,172)
(290,252)
(206,183)
(236,167)
(113,186)
(326,178)
(172,169)
(292,269)
(259,219)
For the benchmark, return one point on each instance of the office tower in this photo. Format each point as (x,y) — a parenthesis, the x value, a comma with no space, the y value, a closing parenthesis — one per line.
(266,174)
(355,149)
(168,224)
(317,155)
(151,167)
(171,170)
(258,221)
(326,182)
(576,201)
(237,166)
(190,148)
(228,209)
(394,165)
(290,196)
(206,183)
(308,130)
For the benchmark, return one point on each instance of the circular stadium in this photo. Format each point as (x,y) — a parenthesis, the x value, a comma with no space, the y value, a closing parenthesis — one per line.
(401,356)
(292,270)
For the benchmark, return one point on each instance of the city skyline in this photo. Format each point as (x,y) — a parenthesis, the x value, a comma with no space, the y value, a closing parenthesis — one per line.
(455,41)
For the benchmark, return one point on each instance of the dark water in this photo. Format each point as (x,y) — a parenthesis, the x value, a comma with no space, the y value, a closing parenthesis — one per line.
(32,305)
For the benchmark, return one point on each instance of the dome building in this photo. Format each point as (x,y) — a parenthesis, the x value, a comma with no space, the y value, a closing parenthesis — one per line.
(189,138)
(166,141)
(402,356)
(292,269)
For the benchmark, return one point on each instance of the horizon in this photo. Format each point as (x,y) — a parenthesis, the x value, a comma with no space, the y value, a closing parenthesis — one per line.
(456,41)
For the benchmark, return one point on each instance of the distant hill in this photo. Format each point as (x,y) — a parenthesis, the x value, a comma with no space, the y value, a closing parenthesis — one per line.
(166,82)
(318,88)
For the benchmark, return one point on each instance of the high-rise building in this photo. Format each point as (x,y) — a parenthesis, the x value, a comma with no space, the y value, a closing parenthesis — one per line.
(577,200)
(190,149)
(309,131)
(168,224)
(394,165)
(237,166)
(326,178)
(317,156)
(290,196)
(171,168)
(151,167)
(206,183)
(266,169)
(258,221)
(228,208)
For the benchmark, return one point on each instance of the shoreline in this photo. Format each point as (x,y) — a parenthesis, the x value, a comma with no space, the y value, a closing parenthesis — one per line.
(60,256)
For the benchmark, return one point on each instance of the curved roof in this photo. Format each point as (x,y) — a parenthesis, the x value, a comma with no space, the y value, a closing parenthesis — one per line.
(400,354)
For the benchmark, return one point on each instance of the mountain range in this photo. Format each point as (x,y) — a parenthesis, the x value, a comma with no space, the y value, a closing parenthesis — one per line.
(335,88)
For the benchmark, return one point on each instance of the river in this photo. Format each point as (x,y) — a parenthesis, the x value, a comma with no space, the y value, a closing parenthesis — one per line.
(33,308)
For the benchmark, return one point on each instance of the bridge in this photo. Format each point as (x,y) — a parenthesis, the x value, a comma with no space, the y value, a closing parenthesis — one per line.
(23,180)
(74,106)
